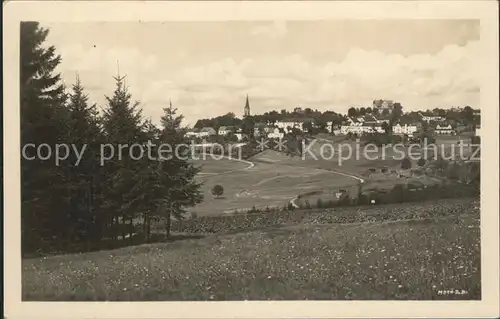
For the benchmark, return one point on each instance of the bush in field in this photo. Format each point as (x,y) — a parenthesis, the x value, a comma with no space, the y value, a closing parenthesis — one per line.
(306,205)
(344,200)
(329,204)
(362,200)
(406,163)
(384,170)
(421,162)
(453,171)
(398,193)
(441,163)
(217,191)
(319,203)
(372,170)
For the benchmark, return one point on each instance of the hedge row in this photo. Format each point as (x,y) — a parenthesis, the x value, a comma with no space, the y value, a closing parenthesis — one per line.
(235,223)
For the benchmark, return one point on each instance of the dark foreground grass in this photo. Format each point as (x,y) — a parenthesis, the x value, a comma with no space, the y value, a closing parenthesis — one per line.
(389,260)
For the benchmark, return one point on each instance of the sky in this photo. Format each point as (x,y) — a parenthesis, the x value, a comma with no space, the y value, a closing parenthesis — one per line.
(207,68)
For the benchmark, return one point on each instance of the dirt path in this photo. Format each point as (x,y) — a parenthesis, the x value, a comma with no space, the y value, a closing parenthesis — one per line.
(250,165)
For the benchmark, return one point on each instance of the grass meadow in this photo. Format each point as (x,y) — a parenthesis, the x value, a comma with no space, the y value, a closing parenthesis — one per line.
(399,259)
(262,185)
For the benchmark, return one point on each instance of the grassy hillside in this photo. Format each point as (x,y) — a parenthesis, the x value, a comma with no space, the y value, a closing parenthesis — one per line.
(405,259)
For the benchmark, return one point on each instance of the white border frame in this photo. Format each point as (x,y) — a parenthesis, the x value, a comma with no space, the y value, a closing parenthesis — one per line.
(72,11)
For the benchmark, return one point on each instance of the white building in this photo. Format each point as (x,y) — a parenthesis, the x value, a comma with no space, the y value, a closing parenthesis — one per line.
(431,118)
(288,124)
(354,128)
(240,136)
(331,128)
(362,125)
(206,131)
(407,129)
(225,130)
(262,128)
(276,133)
(444,129)
(372,128)
(192,133)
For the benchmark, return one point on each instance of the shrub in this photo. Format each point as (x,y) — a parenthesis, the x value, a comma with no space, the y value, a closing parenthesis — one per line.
(330,204)
(441,163)
(307,205)
(372,170)
(384,170)
(453,171)
(362,200)
(319,203)
(217,191)
(406,163)
(344,200)
(397,194)
(421,162)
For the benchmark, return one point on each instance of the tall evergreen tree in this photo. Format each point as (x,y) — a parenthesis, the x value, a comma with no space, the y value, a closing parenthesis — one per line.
(180,188)
(43,120)
(84,173)
(123,124)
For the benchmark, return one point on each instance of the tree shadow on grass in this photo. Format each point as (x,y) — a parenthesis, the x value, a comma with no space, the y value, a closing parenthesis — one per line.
(111,244)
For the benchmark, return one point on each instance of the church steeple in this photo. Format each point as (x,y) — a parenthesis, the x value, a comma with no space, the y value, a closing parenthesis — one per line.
(247,108)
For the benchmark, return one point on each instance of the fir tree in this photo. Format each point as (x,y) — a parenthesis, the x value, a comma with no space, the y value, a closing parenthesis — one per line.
(123,126)
(177,173)
(43,120)
(85,135)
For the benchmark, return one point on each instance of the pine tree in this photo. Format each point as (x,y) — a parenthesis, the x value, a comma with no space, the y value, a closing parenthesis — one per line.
(43,120)
(180,190)
(122,197)
(84,134)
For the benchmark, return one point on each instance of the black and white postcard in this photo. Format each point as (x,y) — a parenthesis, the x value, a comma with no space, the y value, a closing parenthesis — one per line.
(251,159)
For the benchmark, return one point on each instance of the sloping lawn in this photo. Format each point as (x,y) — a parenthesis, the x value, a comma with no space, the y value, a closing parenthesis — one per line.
(390,260)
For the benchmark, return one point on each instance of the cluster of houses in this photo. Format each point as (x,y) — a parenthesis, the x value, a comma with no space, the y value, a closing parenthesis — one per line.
(377,122)
(260,130)
(353,125)
(373,124)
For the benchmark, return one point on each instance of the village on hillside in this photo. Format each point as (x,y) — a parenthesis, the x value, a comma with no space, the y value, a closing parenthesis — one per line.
(383,117)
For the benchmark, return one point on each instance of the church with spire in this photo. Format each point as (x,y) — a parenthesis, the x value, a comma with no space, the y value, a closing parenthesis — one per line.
(246,110)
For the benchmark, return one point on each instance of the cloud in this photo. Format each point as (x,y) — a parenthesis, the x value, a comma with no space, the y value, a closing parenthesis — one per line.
(276,30)
(448,78)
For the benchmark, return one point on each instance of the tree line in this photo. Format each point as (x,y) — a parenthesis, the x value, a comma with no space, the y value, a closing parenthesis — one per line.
(88,204)
(247,124)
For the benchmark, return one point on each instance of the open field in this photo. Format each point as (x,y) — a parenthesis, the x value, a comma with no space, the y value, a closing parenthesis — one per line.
(339,160)
(211,166)
(405,259)
(355,166)
(262,185)
(277,178)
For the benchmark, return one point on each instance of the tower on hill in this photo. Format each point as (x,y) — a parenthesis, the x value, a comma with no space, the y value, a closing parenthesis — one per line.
(246,111)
